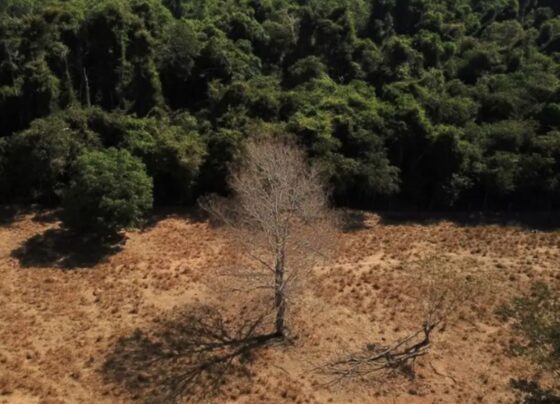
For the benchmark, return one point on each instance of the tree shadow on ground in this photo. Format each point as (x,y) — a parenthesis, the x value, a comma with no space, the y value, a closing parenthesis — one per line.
(538,221)
(64,249)
(532,393)
(193,355)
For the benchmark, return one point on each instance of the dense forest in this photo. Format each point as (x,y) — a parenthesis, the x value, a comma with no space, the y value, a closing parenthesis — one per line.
(431,104)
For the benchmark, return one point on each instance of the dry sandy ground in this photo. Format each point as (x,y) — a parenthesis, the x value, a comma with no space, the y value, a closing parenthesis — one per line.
(76,327)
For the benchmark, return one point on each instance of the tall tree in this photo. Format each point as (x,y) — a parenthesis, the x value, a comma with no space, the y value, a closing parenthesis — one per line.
(279,214)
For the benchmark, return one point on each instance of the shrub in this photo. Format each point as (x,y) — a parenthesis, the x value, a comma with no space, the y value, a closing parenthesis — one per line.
(536,318)
(109,190)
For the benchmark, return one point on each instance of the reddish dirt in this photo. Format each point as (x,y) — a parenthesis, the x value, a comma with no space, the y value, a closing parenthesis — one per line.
(61,319)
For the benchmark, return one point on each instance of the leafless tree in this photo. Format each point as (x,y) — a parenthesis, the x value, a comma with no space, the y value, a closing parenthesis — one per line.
(278,216)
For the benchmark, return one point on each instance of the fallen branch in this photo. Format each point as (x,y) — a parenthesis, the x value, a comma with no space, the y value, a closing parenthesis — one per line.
(399,357)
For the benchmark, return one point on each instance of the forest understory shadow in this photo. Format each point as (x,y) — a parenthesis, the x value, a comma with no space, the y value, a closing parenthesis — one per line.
(532,221)
(193,353)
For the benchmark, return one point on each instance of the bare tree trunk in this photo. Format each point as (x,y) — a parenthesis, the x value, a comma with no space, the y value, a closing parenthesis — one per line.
(279,299)
(87,90)
(71,93)
(9,53)
(122,71)
(280,216)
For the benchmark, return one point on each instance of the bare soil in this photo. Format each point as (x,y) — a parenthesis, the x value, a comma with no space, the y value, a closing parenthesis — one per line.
(85,323)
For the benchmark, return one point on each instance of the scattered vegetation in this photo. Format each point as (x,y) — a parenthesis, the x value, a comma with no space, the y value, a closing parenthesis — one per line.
(536,317)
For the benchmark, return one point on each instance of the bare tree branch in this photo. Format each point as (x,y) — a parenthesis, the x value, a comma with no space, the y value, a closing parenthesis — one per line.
(440,292)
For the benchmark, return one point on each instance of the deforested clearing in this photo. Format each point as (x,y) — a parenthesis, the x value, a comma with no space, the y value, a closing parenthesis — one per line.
(125,326)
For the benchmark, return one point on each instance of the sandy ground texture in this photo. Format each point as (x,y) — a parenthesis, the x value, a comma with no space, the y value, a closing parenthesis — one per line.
(84,323)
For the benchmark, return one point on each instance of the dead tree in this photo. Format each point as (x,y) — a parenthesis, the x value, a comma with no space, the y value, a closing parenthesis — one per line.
(439,293)
(399,357)
(278,216)
(373,358)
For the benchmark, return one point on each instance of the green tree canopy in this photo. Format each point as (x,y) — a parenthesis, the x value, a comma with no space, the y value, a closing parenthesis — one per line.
(429,103)
(109,191)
